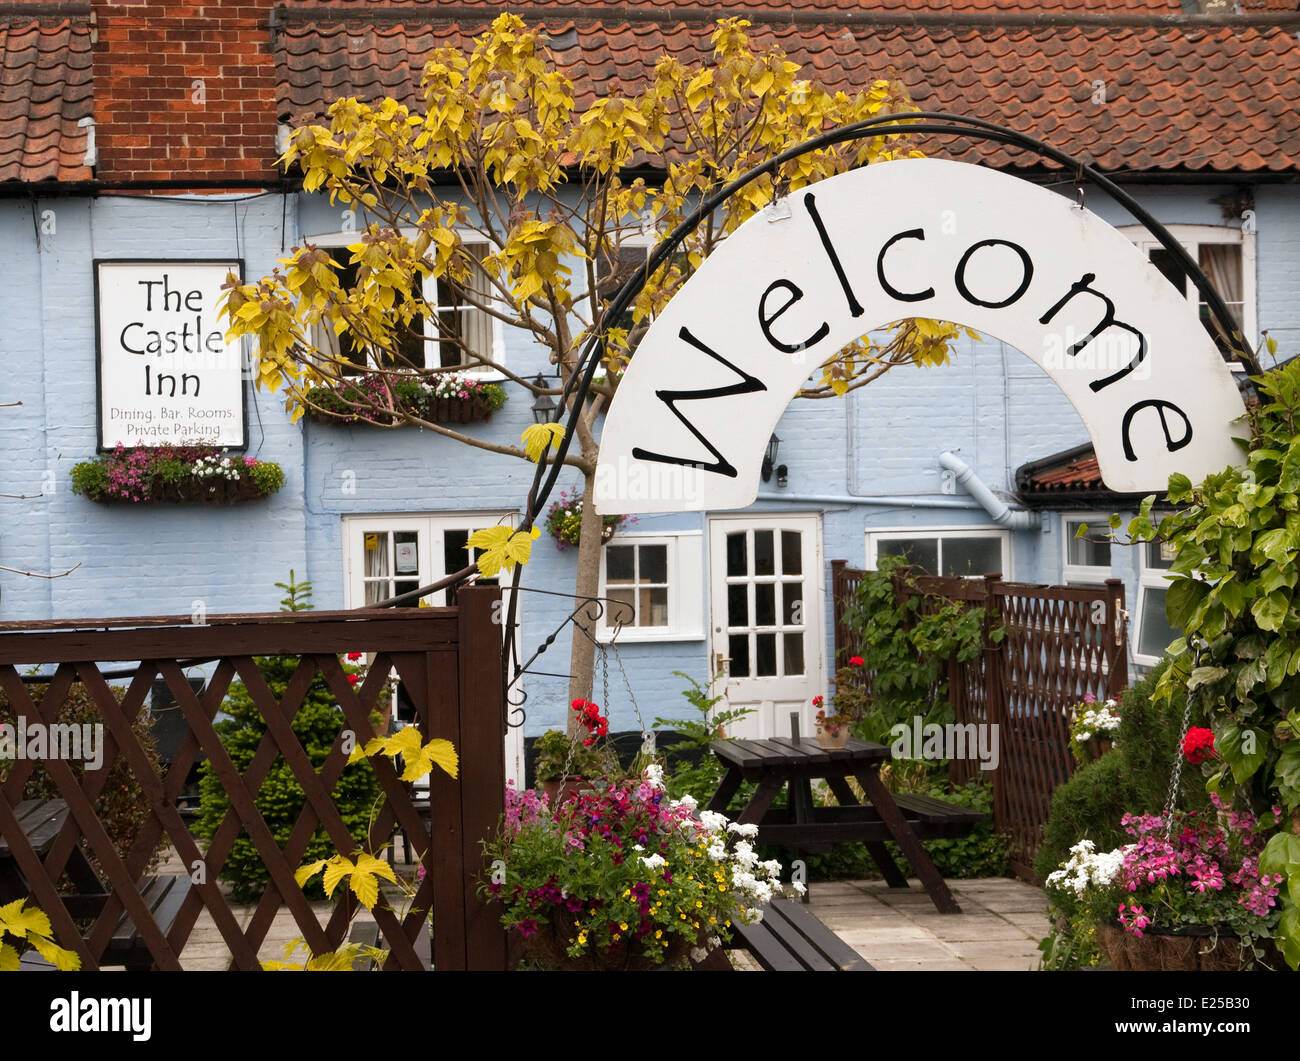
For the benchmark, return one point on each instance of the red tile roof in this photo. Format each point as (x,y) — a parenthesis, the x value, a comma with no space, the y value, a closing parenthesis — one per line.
(428,8)
(45,89)
(1069,477)
(1200,98)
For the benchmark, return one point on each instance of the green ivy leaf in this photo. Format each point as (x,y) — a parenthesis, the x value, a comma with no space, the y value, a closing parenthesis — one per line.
(1286,774)
(1270,612)
(1243,748)
(1180,488)
(1183,599)
(1289,931)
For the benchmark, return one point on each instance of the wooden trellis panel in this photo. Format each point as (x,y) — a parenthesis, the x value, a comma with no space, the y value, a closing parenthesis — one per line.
(447,658)
(1061,642)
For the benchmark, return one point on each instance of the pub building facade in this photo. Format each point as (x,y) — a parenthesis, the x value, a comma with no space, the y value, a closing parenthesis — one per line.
(137,149)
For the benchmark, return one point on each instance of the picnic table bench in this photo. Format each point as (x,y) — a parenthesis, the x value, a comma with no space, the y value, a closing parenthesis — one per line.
(792,762)
(42,820)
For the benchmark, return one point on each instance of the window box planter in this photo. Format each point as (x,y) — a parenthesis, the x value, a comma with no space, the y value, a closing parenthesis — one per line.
(448,399)
(174,474)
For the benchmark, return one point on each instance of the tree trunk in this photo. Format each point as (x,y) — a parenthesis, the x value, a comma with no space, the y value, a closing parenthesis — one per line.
(582,655)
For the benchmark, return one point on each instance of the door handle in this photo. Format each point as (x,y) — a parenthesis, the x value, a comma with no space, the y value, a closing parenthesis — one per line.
(718,660)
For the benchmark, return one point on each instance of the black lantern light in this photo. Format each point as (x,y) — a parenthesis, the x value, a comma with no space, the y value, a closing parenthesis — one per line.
(543,406)
(769,461)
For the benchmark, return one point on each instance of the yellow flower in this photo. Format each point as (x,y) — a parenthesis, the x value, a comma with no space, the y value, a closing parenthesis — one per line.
(623,925)
(658,933)
(582,937)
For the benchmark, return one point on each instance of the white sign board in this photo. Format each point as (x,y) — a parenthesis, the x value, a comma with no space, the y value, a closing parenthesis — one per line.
(690,421)
(167,375)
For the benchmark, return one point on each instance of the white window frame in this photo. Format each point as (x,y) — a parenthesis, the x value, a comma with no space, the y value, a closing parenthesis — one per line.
(685,589)
(332,241)
(1192,237)
(1148,578)
(875,535)
(433,526)
(1082,574)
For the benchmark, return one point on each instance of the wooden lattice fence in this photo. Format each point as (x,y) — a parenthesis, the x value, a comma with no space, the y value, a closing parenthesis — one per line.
(449,662)
(1060,643)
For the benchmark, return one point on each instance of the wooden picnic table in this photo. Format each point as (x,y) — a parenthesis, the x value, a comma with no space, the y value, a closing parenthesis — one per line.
(790,762)
(41,822)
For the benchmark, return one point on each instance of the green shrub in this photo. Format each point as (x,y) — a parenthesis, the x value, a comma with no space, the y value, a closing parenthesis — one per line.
(280,799)
(89,478)
(122,806)
(690,769)
(1133,777)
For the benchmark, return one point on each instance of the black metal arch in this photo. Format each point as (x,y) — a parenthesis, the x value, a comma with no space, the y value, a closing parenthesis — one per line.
(912,123)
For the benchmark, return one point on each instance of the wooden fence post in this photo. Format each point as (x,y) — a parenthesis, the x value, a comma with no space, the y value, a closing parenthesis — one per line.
(482,761)
(995,699)
(838,603)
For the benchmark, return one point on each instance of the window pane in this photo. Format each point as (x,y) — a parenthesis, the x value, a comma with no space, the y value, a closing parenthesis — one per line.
(921,553)
(1156,633)
(619,560)
(1158,554)
(622,613)
(454,554)
(793,653)
(1168,265)
(654,563)
(405,586)
(376,543)
(791,553)
(654,607)
(765,604)
(764,558)
(792,599)
(737,605)
(970,557)
(737,560)
(407,556)
(377,591)
(738,650)
(766,655)
(1083,552)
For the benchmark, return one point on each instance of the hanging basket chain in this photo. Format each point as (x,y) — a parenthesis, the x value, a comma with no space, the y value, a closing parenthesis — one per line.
(1175,775)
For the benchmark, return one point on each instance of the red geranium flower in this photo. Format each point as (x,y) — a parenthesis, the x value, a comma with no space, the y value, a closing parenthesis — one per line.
(353,679)
(354,656)
(856,661)
(1198,745)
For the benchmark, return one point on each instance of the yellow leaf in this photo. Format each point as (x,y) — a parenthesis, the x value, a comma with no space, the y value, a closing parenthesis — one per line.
(65,961)
(9,960)
(19,922)
(366,888)
(336,869)
(337,961)
(539,437)
(501,548)
(375,866)
(305,873)
(442,753)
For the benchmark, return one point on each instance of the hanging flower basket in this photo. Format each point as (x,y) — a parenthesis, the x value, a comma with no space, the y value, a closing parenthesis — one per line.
(564,521)
(1194,948)
(548,949)
(385,401)
(175,474)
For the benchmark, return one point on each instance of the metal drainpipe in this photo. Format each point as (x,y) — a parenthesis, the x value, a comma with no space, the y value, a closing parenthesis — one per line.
(896,501)
(999,511)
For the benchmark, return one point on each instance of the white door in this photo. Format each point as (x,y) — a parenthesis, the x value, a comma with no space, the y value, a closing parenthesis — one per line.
(765,609)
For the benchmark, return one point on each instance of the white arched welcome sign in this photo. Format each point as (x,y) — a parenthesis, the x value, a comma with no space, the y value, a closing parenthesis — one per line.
(690,422)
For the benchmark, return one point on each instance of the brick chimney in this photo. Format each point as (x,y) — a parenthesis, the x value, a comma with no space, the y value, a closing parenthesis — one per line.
(184,90)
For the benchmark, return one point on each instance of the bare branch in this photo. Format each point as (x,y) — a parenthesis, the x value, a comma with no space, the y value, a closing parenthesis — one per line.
(38,574)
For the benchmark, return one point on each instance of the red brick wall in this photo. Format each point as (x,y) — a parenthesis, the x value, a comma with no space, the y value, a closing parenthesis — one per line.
(184,90)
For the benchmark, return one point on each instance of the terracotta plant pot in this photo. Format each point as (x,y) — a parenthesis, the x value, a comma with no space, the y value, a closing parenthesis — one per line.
(558,792)
(1192,949)
(831,741)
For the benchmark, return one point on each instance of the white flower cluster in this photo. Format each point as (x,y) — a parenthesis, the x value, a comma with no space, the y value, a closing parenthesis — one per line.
(654,776)
(453,385)
(1098,722)
(215,468)
(1085,867)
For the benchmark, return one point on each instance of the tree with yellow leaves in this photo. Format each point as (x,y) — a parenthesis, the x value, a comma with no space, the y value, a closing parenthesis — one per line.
(526,207)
